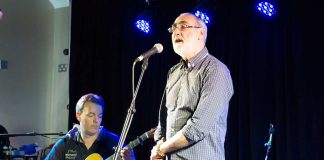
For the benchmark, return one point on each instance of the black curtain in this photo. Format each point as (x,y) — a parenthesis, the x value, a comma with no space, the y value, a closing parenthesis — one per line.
(275,65)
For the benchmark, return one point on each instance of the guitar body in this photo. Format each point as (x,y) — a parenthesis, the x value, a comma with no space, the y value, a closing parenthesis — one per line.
(131,145)
(94,156)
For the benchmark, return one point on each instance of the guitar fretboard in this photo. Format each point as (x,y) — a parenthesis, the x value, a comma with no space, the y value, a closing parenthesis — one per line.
(133,143)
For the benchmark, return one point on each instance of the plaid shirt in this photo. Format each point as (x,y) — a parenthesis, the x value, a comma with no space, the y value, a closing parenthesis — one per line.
(196,103)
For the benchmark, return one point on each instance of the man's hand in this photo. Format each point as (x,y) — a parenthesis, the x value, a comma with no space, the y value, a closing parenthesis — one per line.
(156,153)
(126,154)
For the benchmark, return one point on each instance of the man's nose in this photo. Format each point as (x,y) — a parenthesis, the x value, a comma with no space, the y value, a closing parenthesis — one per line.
(176,30)
(96,119)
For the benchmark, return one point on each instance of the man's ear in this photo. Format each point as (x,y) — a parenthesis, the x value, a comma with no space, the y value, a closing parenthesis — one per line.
(77,115)
(201,34)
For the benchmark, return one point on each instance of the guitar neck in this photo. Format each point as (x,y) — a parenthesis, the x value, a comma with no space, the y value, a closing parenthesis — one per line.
(133,143)
(137,141)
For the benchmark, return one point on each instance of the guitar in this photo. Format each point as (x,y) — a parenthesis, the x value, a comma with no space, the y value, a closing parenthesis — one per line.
(131,145)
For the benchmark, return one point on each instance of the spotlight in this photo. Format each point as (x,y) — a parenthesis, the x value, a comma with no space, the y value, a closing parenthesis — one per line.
(143,25)
(204,10)
(144,19)
(203,16)
(266,8)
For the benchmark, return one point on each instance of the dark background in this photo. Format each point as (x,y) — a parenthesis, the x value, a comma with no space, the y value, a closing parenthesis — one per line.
(276,66)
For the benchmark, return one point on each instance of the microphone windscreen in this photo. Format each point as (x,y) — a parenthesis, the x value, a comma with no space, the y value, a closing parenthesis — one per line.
(159,47)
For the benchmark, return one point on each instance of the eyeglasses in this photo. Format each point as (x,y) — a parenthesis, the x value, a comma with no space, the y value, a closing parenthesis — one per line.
(181,26)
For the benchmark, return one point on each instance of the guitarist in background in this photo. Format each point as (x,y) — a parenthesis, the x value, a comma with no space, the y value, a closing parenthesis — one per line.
(90,137)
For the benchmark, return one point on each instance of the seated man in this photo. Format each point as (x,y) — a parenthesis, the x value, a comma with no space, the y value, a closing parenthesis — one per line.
(4,141)
(90,138)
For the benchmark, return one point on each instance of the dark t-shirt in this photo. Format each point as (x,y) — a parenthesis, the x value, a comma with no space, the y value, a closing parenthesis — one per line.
(71,148)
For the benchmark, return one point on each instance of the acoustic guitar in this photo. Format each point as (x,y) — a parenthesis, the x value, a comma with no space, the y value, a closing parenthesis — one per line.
(131,145)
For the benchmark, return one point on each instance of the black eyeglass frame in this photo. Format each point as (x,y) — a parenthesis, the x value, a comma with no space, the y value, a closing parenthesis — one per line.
(180,26)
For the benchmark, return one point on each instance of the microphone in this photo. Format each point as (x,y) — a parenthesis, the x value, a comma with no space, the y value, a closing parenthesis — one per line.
(157,48)
(73,131)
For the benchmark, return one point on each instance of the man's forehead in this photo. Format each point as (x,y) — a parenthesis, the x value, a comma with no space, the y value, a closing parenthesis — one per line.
(186,18)
(92,106)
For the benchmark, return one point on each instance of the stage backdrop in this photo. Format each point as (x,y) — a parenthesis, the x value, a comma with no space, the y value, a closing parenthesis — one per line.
(275,64)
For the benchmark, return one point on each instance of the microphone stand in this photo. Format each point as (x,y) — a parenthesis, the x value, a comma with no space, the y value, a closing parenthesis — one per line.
(131,110)
(268,144)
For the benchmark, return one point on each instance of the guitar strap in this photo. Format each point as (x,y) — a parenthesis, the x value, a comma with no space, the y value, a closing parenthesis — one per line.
(162,112)
(162,100)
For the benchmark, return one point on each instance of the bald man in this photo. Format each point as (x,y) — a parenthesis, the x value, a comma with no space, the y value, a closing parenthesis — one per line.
(193,114)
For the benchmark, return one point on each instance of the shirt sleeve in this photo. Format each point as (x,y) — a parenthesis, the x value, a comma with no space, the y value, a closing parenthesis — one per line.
(57,152)
(212,108)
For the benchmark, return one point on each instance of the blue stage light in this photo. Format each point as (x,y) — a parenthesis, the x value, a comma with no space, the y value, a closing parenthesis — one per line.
(203,16)
(143,26)
(266,8)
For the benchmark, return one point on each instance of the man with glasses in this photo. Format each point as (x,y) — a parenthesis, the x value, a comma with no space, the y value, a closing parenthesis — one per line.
(193,113)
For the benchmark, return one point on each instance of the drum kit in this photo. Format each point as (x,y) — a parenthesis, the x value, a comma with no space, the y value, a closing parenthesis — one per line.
(25,152)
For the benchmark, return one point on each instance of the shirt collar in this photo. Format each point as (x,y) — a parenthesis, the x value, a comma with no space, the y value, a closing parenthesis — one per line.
(79,138)
(189,65)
